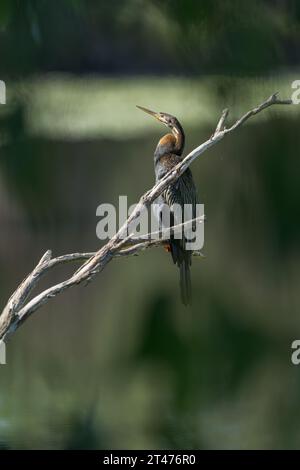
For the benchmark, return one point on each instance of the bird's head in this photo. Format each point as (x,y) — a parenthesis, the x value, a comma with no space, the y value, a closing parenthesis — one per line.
(167,119)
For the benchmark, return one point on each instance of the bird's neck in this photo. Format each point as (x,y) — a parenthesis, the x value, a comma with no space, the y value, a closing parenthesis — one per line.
(178,133)
(171,143)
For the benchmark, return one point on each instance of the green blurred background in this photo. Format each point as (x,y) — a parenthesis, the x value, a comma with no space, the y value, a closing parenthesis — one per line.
(120,363)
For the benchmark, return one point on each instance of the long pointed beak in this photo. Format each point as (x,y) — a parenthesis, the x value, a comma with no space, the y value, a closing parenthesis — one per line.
(152,113)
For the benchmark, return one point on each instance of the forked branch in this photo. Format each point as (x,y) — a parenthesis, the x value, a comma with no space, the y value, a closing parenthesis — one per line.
(19,308)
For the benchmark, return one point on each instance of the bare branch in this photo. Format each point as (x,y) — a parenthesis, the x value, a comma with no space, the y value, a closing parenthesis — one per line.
(221,123)
(13,314)
(269,102)
(164,234)
(122,244)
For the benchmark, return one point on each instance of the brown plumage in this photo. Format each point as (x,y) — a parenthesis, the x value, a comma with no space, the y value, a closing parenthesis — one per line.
(168,153)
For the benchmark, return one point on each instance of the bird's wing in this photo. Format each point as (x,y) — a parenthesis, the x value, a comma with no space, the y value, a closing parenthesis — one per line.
(183,191)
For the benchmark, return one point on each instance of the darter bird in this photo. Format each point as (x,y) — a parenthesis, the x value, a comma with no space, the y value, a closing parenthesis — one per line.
(168,154)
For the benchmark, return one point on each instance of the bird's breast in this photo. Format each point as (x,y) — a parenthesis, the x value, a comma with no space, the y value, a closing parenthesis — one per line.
(165,146)
(167,140)
(165,163)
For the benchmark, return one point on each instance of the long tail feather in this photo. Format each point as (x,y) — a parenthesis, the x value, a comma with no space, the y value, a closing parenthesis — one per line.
(185,282)
(182,258)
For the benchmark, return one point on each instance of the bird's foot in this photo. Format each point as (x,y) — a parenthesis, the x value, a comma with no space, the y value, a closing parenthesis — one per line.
(167,247)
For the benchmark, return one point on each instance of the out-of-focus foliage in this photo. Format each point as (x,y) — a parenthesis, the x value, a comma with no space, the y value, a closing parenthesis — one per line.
(157,36)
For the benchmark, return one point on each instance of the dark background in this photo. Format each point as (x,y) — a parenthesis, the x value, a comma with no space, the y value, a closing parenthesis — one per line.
(121,363)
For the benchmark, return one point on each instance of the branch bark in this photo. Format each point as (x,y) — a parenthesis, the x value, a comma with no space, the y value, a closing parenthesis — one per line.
(19,308)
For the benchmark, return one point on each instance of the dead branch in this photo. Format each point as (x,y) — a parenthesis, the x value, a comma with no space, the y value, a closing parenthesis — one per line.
(19,308)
